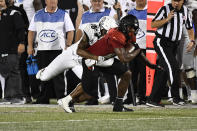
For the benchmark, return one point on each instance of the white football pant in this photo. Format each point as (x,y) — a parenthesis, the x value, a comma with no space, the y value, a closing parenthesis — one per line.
(66,60)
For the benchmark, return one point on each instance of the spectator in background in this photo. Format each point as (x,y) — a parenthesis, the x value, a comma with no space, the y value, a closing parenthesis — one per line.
(51,25)
(26,80)
(32,84)
(22,64)
(195,27)
(96,12)
(74,8)
(31,6)
(86,4)
(127,5)
(12,35)
(138,69)
(187,61)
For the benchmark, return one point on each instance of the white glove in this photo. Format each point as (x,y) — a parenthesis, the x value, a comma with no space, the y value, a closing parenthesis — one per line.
(90,62)
(106,63)
(100,59)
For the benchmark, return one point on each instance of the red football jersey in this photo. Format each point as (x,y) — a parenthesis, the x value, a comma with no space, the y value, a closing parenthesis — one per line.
(113,39)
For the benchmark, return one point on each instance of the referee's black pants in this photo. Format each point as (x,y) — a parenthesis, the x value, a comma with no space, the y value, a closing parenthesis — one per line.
(166,51)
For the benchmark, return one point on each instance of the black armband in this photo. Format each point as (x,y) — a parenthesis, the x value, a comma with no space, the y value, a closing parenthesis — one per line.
(136,46)
(153,66)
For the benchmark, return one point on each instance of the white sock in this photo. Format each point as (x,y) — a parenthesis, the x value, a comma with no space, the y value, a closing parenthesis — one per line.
(125,96)
(194,96)
(68,97)
(106,89)
(169,93)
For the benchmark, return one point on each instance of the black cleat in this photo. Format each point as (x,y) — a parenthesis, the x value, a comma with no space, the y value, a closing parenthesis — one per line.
(125,109)
(118,106)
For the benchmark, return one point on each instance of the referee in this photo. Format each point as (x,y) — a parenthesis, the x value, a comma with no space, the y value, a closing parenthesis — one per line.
(169,22)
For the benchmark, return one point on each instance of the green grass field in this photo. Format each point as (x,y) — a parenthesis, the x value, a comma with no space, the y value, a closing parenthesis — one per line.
(101,118)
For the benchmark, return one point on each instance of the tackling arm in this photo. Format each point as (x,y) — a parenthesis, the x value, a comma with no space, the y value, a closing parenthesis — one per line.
(81,50)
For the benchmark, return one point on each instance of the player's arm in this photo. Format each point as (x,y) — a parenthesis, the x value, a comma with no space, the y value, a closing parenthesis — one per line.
(81,50)
(147,62)
(126,57)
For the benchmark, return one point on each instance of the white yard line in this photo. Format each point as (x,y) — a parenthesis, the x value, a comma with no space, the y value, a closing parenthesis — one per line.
(85,120)
(97,106)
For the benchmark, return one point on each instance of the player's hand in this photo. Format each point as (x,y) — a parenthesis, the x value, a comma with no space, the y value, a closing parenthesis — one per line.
(190,46)
(159,67)
(170,15)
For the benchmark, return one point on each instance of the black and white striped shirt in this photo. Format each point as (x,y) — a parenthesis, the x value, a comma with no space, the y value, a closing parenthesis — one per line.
(173,28)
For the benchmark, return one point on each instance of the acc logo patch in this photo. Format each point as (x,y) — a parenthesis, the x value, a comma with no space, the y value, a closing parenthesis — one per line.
(48,36)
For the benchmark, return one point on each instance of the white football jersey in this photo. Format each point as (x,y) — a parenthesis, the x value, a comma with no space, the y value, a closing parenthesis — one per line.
(93,32)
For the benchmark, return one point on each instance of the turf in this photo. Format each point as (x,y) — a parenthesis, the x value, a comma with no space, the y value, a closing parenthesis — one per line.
(101,118)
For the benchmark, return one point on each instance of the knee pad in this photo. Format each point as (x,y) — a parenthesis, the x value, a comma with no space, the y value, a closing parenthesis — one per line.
(190,73)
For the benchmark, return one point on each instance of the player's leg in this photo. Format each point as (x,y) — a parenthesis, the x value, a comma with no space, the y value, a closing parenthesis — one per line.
(57,66)
(84,91)
(122,71)
(78,70)
(77,95)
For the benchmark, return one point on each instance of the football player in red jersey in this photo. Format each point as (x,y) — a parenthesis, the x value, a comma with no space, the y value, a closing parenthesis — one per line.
(94,61)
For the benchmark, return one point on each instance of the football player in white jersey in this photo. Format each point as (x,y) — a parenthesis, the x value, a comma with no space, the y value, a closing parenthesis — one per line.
(69,59)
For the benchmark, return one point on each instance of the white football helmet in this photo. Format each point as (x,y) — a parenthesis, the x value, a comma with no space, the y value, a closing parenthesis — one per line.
(107,22)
